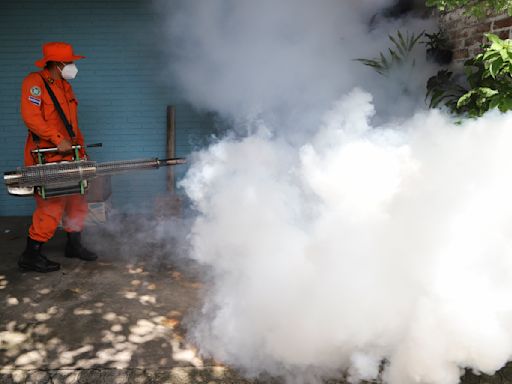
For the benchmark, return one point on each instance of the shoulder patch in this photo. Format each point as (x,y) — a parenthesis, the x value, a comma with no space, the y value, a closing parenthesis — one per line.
(35,91)
(34,100)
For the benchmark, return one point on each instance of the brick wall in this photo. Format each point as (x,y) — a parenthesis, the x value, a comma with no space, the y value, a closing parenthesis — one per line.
(122,98)
(467,33)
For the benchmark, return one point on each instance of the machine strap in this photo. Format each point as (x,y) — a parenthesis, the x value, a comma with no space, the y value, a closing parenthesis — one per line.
(63,117)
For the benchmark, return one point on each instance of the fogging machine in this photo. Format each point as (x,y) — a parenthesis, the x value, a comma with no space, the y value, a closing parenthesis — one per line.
(71,177)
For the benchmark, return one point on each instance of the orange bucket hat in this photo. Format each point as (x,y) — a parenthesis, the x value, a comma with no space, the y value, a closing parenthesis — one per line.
(57,51)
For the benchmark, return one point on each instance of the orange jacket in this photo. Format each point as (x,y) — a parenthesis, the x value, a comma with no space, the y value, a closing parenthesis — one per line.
(41,116)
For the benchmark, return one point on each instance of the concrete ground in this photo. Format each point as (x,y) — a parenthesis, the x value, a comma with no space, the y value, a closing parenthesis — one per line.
(117,320)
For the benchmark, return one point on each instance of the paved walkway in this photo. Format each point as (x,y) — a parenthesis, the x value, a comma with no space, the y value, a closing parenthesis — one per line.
(112,321)
(117,320)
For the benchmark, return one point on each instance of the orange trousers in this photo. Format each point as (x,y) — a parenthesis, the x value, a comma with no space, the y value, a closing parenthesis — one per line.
(48,214)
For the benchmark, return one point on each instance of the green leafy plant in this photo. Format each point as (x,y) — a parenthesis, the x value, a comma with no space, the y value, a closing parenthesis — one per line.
(477,8)
(437,40)
(442,89)
(439,48)
(399,54)
(489,77)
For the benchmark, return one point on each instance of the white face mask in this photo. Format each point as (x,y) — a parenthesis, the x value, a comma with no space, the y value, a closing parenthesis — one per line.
(69,71)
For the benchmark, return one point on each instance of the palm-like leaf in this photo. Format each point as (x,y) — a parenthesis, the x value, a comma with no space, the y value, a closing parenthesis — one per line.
(398,54)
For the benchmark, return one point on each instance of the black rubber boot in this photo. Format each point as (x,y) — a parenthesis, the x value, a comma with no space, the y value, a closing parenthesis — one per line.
(74,248)
(32,260)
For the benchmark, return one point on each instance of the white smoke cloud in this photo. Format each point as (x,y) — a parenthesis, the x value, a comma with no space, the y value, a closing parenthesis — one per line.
(283,61)
(345,232)
(376,244)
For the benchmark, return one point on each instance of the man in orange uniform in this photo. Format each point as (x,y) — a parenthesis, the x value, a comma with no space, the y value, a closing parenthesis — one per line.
(49,127)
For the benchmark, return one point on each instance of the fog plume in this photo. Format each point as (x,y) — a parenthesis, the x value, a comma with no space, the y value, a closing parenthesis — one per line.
(284,61)
(348,230)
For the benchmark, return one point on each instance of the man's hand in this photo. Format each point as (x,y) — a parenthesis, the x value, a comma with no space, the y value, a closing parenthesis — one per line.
(64,147)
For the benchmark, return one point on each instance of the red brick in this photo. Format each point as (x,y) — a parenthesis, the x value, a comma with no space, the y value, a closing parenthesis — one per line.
(505,34)
(458,44)
(473,40)
(461,34)
(460,24)
(460,54)
(479,29)
(482,28)
(503,23)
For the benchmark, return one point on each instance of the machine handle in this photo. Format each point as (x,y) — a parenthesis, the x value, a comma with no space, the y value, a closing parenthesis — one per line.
(95,145)
(55,149)
(172,161)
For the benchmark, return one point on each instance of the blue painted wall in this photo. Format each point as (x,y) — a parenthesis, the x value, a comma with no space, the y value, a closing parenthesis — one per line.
(122,98)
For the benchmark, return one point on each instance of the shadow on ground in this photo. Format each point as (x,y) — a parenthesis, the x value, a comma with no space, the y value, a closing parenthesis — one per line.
(113,321)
